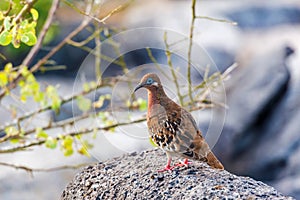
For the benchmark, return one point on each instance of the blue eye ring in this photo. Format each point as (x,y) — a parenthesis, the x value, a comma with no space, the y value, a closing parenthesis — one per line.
(149,81)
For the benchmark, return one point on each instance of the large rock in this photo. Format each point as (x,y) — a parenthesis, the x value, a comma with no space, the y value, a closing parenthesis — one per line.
(261,133)
(135,176)
(279,147)
(256,87)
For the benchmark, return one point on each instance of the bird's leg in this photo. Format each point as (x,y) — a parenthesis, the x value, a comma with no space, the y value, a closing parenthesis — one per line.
(168,166)
(185,163)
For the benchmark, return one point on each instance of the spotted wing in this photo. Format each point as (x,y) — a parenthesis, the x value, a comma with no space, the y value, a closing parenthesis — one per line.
(188,140)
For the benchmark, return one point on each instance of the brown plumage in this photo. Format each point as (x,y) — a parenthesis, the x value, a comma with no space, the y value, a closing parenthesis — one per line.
(173,128)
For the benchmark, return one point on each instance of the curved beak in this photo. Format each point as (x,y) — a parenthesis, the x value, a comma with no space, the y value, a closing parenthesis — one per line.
(138,86)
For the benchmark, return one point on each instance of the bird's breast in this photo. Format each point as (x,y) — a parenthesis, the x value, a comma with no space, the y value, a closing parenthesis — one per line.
(162,128)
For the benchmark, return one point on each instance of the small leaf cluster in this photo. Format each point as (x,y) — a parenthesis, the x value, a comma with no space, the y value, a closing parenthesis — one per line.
(30,87)
(14,30)
(140,104)
(13,132)
(101,100)
(84,104)
(66,143)
(107,120)
(7,75)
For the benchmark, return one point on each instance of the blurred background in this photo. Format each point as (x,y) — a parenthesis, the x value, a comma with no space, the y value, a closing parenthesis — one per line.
(260,137)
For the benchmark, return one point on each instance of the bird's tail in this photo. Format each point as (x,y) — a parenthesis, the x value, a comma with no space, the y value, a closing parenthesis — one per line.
(213,161)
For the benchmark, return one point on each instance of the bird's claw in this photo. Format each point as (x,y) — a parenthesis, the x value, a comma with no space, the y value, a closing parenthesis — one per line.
(184,163)
(167,168)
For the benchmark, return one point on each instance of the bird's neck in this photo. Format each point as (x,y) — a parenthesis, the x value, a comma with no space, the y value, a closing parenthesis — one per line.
(155,96)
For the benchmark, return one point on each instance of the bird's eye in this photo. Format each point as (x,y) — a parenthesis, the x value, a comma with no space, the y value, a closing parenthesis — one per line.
(149,81)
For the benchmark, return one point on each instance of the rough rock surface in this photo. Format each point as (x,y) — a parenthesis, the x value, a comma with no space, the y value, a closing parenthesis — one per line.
(135,176)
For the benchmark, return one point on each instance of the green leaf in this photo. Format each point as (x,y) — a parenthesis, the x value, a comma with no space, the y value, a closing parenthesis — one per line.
(1,15)
(68,152)
(84,148)
(29,38)
(84,151)
(51,142)
(93,84)
(40,98)
(67,142)
(34,86)
(152,143)
(24,71)
(34,13)
(5,38)
(7,23)
(52,94)
(89,86)
(56,103)
(86,144)
(40,133)
(67,145)
(142,104)
(24,38)
(100,102)
(30,78)
(128,103)
(23,25)
(11,131)
(26,91)
(110,123)
(86,87)
(84,104)
(14,141)
(3,79)
(50,90)
(8,68)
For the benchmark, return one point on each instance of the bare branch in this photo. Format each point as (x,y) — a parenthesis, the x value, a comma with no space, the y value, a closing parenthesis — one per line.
(169,60)
(217,20)
(153,59)
(31,170)
(73,133)
(190,49)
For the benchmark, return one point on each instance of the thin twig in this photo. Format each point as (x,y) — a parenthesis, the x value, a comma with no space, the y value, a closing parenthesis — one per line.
(217,20)
(102,21)
(30,170)
(190,50)
(8,9)
(170,64)
(87,40)
(72,133)
(97,57)
(153,59)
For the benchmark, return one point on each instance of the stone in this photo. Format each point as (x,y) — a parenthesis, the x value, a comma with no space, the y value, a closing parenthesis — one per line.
(196,181)
(256,88)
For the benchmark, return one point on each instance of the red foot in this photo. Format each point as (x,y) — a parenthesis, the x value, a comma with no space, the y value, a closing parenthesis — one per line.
(185,163)
(167,168)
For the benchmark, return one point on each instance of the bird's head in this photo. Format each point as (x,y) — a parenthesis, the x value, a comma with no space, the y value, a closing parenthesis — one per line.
(149,81)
